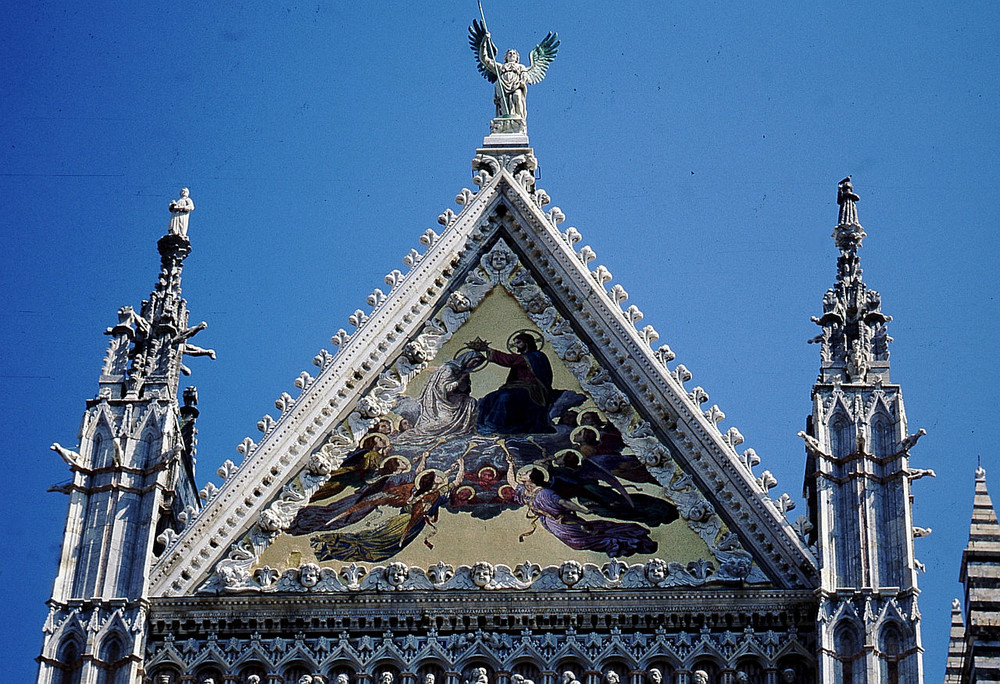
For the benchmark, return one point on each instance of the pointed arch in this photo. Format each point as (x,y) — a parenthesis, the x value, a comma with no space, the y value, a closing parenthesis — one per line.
(842,432)
(69,668)
(848,645)
(113,659)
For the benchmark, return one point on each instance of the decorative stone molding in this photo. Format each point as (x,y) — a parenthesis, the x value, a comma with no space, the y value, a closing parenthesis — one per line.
(504,204)
(735,568)
(500,653)
(501,266)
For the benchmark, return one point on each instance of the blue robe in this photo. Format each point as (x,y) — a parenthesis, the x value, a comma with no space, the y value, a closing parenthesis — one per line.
(521,404)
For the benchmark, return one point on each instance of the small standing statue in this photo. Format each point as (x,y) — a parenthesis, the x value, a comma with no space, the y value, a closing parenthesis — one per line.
(179,210)
(510,76)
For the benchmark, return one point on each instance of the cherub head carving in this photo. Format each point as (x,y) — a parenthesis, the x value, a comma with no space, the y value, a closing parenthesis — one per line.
(482,574)
(309,575)
(654,675)
(570,573)
(656,570)
(395,575)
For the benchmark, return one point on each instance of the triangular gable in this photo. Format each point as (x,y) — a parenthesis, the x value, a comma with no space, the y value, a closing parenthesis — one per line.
(503,221)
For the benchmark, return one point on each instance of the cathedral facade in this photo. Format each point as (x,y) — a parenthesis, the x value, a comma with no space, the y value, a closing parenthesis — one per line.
(498,477)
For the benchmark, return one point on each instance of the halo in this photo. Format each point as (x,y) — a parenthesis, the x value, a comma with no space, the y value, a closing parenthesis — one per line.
(579,456)
(428,471)
(524,470)
(478,367)
(465,491)
(596,411)
(583,428)
(395,457)
(539,340)
(377,436)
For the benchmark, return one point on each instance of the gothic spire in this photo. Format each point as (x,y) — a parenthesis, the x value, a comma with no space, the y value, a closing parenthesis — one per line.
(855,341)
(146,351)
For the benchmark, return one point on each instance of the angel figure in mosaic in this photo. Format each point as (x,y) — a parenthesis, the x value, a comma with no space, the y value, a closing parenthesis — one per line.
(416,505)
(562,517)
(510,76)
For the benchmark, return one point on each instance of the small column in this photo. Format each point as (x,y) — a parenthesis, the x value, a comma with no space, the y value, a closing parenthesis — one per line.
(501,677)
(682,677)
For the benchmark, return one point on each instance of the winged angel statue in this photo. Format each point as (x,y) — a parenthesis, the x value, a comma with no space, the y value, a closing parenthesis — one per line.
(510,76)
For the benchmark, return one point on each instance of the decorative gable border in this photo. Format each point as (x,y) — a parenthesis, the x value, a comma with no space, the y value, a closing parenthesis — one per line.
(304,438)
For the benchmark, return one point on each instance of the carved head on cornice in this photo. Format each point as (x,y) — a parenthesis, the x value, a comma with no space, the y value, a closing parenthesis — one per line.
(656,570)
(395,575)
(570,572)
(309,575)
(482,574)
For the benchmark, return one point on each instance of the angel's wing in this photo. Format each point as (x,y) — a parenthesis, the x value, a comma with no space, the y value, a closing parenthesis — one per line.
(541,57)
(477,36)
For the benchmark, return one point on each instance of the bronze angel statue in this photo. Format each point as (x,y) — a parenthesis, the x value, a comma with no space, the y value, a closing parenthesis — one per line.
(510,76)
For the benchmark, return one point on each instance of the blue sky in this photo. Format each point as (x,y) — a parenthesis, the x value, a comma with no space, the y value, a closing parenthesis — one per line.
(697,147)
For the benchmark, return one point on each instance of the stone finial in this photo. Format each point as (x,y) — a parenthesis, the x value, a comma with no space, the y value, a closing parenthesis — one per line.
(980,473)
(855,337)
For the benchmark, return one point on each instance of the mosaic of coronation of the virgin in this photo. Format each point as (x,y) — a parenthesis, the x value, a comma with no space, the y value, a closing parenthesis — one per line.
(498,453)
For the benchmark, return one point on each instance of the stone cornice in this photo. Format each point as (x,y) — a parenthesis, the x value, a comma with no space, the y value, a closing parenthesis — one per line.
(168,614)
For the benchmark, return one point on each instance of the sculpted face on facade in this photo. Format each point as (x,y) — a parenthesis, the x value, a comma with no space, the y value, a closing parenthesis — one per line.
(395,575)
(482,574)
(568,677)
(309,575)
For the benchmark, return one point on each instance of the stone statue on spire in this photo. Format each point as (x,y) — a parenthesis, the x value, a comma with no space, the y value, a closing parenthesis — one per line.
(510,76)
(846,197)
(179,210)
